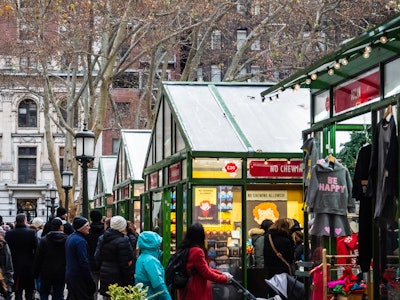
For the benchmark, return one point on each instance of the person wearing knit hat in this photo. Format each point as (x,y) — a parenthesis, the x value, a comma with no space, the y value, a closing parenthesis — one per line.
(80,223)
(114,255)
(78,277)
(118,223)
(62,213)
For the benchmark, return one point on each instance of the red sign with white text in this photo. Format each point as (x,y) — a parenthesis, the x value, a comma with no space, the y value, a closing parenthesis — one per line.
(154,180)
(360,91)
(174,172)
(276,168)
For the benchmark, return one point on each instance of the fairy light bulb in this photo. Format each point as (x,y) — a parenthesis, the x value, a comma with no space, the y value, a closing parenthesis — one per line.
(368,48)
(366,54)
(314,76)
(336,65)
(308,80)
(331,72)
(345,61)
(383,39)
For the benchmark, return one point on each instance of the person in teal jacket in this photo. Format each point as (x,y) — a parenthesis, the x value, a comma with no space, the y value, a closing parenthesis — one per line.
(149,269)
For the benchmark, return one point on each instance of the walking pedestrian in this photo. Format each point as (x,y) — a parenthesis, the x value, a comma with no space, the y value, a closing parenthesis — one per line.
(149,269)
(49,263)
(7,269)
(199,285)
(96,230)
(22,242)
(114,256)
(133,236)
(63,215)
(78,277)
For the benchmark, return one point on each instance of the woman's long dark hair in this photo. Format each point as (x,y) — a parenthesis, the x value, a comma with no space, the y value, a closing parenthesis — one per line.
(195,236)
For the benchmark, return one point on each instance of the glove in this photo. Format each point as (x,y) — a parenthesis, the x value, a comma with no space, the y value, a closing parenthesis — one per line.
(228,277)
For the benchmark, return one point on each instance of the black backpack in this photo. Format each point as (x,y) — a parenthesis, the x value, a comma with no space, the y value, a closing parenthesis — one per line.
(176,275)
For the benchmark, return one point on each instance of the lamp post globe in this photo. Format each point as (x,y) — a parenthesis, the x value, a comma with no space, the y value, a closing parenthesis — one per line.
(84,155)
(53,195)
(67,177)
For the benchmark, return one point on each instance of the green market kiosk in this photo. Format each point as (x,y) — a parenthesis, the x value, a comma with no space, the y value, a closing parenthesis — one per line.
(352,90)
(221,155)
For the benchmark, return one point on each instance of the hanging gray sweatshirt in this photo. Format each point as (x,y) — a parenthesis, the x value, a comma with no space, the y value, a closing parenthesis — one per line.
(330,189)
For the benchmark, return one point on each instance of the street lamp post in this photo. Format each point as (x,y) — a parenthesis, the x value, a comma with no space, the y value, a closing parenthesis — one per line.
(52,199)
(67,177)
(84,154)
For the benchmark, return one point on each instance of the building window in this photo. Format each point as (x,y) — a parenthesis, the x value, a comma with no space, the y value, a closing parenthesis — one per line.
(216,40)
(63,109)
(255,8)
(26,165)
(256,45)
(115,146)
(127,80)
(255,70)
(216,74)
(241,35)
(27,113)
(199,74)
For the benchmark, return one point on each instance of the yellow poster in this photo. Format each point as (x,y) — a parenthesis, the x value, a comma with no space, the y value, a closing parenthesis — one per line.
(205,201)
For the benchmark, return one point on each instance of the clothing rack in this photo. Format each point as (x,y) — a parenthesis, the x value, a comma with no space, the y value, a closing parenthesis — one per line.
(325,265)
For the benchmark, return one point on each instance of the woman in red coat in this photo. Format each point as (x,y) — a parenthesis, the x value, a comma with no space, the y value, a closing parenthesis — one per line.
(199,285)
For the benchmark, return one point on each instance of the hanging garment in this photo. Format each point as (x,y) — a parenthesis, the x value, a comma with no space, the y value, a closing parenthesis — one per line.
(310,150)
(330,198)
(383,179)
(347,245)
(365,215)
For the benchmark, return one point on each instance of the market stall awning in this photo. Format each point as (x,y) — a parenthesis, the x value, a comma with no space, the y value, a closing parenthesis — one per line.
(230,117)
(135,143)
(354,56)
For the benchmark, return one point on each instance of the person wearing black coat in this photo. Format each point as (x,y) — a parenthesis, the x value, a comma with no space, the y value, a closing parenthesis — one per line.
(49,263)
(280,234)
(96,230)
(114,255)
(22,242)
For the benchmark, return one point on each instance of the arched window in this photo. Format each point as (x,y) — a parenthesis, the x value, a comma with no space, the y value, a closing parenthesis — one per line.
(27,113)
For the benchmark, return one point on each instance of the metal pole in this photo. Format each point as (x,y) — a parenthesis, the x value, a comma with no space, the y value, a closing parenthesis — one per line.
(85,201)
(66,198)
(52,210)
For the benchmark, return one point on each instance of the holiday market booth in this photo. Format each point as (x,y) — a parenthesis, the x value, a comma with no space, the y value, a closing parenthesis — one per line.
(351,150)
(221,156)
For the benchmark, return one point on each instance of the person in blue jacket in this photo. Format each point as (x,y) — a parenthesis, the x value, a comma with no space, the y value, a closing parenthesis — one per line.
(78,277)
(149,269)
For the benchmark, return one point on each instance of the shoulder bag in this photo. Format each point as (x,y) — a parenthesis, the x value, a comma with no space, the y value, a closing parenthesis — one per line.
(290,267)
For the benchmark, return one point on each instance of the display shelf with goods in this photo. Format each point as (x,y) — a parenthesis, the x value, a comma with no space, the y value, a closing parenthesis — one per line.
(223,243)
(173,232)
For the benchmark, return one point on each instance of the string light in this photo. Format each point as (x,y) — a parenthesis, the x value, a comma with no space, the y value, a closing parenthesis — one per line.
(366,54)
(345,61)
(331,72)
(337,65)
(296,87)
(383,39)
(314,76)
(308,80)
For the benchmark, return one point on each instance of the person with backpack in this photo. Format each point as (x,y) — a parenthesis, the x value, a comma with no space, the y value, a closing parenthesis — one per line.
(201,275)
(149,269)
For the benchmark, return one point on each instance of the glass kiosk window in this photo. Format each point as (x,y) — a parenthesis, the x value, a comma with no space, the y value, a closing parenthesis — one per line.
(219,210)
(156,212)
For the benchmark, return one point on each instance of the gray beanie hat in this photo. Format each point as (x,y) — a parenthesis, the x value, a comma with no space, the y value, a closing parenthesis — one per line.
(118,223)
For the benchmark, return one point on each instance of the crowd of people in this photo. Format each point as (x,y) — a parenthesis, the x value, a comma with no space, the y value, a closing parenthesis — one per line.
(84,258)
